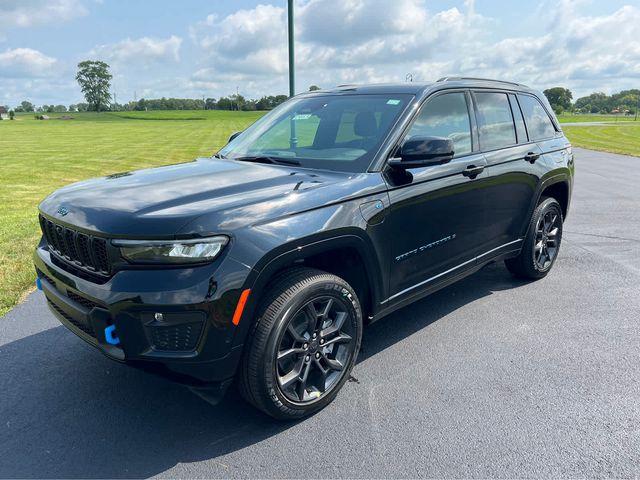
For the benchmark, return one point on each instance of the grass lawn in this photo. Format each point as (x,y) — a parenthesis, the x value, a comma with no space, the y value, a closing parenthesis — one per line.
(611,138)
(37,157)
(568,118)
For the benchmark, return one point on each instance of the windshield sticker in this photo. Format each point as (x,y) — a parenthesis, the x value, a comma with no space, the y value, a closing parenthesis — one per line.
(393,101)
(302,116)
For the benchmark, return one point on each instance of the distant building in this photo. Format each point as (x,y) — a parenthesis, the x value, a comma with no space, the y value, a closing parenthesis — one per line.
(4,113)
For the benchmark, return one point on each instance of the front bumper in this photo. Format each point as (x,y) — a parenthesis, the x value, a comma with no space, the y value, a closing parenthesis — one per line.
(192,340)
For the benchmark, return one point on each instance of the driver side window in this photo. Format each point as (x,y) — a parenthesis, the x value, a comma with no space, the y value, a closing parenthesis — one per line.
(445,116)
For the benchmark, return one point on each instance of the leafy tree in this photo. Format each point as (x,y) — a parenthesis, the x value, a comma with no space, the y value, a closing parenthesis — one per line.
(559,97)
(27,106)
(12,114)
(313,88)
(210,104)
(249,105)
(60,109)
(94,79)
(225,103)
(73,108)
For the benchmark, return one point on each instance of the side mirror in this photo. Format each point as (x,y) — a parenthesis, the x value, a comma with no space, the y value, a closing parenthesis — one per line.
(233,135)
(423,151)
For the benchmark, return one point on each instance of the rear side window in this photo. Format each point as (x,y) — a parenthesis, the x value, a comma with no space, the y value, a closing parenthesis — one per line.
(517,117)
(494,120)
(539,124)
(445,116)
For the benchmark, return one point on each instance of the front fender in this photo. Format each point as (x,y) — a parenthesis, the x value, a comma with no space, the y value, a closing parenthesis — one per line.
(270,247)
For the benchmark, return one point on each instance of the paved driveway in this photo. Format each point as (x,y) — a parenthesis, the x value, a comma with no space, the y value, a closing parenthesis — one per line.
(491,377)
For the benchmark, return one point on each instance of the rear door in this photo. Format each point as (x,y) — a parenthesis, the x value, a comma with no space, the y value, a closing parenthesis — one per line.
(513,166)
(541,129)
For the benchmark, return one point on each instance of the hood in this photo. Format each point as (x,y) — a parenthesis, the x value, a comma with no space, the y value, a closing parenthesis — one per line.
(159,202)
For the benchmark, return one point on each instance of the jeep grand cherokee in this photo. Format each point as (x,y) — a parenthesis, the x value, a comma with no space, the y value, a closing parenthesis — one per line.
(263,262)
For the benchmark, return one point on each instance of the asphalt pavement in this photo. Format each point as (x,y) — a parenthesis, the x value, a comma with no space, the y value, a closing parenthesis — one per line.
(490,377)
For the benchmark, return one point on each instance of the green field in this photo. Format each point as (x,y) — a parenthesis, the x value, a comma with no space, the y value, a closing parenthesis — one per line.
(40,156)
(568,118)
(623,139)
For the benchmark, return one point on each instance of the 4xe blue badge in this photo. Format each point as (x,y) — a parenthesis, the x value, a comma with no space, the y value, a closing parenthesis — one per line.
(62,211)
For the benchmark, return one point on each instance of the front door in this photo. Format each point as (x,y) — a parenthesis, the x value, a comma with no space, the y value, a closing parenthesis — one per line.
(436,213)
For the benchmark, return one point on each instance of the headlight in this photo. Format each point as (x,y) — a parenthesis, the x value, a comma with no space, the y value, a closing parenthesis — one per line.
(172,251)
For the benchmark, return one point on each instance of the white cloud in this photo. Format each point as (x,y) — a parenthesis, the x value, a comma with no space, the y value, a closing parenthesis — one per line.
(355,41)
(26,13)
(249,41)
(141,51)
(24,62)
(376,40)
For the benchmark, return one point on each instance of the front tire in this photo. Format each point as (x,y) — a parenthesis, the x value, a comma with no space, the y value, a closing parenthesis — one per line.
(303,345)
(542,243)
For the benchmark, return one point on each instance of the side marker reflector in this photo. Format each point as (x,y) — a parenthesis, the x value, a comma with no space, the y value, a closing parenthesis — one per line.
(38,283)
(240,307)
(109,335)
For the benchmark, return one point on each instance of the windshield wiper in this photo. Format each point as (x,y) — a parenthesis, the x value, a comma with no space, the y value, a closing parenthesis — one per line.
(267,159)
(219,155)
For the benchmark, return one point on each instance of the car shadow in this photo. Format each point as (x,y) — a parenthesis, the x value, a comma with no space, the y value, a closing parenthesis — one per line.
(68,412)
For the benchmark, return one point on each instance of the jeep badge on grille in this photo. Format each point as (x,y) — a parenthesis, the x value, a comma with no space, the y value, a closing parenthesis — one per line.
(63,210)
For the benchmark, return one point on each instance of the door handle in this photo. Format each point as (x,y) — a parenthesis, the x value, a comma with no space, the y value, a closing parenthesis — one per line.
(472,171)
(532,157)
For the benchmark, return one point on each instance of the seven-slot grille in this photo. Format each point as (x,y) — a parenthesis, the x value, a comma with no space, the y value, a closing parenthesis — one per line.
(83,250)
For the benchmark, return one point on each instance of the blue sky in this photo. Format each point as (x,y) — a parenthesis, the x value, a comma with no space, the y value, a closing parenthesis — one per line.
(191,48)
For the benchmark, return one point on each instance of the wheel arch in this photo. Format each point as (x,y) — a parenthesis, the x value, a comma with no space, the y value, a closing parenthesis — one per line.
(558,190)
(349,256)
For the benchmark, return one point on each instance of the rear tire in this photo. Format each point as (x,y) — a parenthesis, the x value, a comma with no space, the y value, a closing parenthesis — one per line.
(542,243)
(303,345)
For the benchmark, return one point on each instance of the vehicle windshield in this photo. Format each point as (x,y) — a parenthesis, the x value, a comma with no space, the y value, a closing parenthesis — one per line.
(336,132)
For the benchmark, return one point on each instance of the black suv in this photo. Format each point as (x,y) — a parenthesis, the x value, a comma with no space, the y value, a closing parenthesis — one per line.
(263,262)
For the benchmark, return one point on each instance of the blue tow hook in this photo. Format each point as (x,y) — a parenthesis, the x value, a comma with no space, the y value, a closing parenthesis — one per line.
(109,335)
(38,283)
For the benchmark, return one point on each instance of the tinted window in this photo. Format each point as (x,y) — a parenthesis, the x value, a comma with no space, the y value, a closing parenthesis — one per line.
(445,116)
(519,121)
(495,121)
(539,124)
(340,132)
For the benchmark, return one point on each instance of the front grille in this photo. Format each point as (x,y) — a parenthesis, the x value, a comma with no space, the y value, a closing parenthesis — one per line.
(84,251)
(85,328)
(175,338)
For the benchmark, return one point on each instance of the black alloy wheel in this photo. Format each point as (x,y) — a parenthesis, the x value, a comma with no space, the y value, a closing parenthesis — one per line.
(303,344)
(314,349)
(546,242)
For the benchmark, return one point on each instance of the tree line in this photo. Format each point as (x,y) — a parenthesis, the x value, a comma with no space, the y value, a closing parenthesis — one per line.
(94,80)
(626,102)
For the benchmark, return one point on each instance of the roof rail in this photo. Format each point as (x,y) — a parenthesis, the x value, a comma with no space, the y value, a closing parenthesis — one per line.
(448,79)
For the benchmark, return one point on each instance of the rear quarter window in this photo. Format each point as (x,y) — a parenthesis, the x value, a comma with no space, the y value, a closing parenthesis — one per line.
(539,125)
